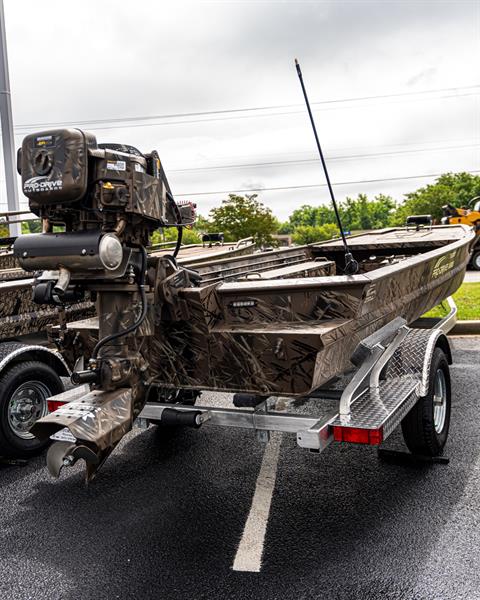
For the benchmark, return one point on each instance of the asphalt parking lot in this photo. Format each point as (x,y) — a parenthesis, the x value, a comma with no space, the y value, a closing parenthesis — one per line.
(166,517)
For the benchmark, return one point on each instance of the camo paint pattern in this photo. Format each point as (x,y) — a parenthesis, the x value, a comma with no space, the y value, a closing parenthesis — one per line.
(99,418)
(7,261)
(146,195)
(19,315)
(290,337)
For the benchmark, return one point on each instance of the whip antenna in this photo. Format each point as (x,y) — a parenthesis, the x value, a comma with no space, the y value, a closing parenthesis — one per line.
(351,265)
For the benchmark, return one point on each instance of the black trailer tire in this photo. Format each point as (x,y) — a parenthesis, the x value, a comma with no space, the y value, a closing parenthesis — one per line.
(475,262)
(24,389)
(425,428)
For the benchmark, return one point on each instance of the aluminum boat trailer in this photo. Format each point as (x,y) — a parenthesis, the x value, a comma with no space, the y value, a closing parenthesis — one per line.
(394,370)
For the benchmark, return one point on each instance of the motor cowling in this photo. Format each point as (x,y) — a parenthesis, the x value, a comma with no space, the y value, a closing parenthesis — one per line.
(54,166)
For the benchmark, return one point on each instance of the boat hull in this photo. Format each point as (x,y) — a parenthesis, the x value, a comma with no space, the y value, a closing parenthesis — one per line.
(291,336)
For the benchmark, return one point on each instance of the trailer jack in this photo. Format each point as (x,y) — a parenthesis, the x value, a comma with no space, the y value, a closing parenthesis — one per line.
(66,454)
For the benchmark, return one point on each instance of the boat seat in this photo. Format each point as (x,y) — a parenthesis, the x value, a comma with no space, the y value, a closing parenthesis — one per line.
(307,328)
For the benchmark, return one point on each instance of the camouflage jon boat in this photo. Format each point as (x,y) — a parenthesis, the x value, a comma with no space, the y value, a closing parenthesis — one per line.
(288,321)
(285,322)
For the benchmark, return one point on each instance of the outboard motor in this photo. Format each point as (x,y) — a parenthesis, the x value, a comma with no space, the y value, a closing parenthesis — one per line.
(99,206)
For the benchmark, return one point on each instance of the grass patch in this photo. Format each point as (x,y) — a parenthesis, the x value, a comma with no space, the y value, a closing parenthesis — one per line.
(467,299)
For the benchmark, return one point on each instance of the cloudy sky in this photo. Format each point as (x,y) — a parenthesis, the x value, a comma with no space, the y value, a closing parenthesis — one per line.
(395,87)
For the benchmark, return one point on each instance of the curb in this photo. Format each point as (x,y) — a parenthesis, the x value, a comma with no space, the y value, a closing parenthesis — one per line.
(466,328)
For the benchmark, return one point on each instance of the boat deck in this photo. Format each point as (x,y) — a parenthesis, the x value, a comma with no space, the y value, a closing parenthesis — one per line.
(393,238)
(196,252)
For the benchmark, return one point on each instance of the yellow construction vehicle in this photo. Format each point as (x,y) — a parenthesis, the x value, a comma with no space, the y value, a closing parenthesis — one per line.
(468,216)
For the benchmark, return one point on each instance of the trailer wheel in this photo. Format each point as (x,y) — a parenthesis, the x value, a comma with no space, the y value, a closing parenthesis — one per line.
(476,260)
(24,389)
(425,428)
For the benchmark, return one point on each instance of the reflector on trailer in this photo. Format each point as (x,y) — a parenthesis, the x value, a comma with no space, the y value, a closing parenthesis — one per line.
(358,435)
(53,405)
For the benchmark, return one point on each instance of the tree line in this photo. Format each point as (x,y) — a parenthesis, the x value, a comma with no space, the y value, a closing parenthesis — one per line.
(242,216)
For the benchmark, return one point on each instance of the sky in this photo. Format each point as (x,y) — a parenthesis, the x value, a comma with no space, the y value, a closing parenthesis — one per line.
(395,88)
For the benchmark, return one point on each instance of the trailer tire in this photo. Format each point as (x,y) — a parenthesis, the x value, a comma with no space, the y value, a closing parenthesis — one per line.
(476,260)
(425,428)
(24,389)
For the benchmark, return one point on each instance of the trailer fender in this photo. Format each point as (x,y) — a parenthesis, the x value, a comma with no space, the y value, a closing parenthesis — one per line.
(13,352)
(437,339)
(415,354)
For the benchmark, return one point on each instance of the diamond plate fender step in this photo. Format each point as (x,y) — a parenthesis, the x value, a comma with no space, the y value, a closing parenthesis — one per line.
(377,412)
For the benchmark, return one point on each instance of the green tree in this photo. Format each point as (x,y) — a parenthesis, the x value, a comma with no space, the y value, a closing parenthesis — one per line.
(312,216)
(362,213)
(285,228)
(34,226)
(244,216)
(451,188)
(355,213)
(307,234)
(202,224)
(189,236)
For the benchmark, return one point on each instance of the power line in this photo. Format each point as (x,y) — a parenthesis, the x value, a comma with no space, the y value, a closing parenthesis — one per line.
(315,160)
(239,110)
(356,149)
(238,117)
(314,185)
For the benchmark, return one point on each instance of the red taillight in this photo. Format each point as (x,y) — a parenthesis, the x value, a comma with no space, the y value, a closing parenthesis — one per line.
(53,405)
(356,435)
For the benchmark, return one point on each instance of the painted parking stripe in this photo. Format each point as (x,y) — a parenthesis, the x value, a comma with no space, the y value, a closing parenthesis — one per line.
(250,550)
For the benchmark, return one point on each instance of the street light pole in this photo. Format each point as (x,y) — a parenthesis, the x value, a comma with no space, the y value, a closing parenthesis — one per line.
(7,127)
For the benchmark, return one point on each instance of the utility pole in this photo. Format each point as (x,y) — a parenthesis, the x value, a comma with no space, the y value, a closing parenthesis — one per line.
(7,127)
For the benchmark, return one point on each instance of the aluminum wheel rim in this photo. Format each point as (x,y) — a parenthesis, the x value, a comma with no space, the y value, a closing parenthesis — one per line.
(27,404)
(476,261)
(439,401)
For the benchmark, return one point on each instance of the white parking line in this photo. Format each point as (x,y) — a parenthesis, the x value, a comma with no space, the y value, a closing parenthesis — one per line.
(250,549)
